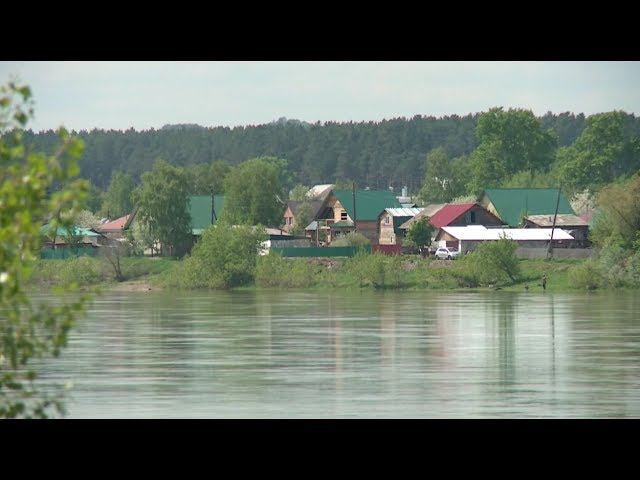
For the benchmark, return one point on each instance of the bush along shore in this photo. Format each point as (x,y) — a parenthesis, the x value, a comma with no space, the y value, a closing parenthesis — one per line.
(479,270)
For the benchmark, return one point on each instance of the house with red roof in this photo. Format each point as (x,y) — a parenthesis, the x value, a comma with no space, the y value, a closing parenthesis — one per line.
(115,229)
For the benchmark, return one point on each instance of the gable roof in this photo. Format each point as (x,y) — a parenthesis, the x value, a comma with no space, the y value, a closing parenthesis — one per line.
(201,211)
(118,224)
(514,203)
(428,211)
(449,213)
(562,220)
(294,206)
(369,203)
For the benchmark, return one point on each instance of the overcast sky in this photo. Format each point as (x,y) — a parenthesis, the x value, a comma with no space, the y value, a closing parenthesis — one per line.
(120,95)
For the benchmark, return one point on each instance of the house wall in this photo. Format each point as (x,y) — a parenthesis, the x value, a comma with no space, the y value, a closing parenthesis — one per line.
(338,209)
(289,220)
(482,217)
(369,229)
(485,203)
(387,235)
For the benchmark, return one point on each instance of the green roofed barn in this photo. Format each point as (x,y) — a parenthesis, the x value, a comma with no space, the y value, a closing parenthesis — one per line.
(512,205)
(204,212)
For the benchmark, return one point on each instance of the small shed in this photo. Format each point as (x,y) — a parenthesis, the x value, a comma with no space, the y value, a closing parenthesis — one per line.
(575,225)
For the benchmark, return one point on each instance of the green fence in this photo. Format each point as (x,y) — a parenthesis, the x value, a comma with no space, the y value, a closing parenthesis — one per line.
(61,253)
(320,251)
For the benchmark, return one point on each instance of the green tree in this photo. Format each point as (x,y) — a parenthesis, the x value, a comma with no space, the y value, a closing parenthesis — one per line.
(618,218)
(225,257)
(494,262)
(606,149)
(530,179)
(254,193)
(510,141)
(439,182)
(95,198)
(304,216)
(299,193)
(206,178)
(117,199)
(421,232)
(162,199)
(33,187)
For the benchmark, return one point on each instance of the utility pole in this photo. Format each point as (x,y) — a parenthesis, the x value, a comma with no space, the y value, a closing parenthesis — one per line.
(555,215)
(353,187)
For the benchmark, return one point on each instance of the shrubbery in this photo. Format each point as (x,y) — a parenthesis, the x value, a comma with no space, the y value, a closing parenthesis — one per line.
(492,263)
(586,276)
(351,239)
(225,257)
(274,271)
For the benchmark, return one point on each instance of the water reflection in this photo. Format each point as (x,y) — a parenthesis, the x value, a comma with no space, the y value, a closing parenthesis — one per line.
(355,354)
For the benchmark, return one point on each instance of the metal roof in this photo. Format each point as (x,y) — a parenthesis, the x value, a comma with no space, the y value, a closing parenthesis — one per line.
(480,232)
(512,204)
(403,212)
(200,211)
(369,203)
(449,213)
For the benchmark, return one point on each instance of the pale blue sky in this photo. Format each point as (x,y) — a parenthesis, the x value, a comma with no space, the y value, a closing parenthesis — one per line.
(119,95)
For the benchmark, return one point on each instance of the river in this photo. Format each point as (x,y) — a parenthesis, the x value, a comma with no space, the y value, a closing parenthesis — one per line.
(358,354)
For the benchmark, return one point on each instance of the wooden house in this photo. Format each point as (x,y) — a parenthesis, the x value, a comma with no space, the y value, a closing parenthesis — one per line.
(389,222)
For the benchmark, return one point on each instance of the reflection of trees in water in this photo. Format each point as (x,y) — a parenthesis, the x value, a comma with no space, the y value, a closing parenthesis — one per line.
(506,339)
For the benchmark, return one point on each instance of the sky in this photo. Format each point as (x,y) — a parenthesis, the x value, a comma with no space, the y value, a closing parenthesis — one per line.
(142,95)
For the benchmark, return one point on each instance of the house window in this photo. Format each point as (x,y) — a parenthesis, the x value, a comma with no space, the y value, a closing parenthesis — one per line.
(343,215)
(472,216)
(386,220)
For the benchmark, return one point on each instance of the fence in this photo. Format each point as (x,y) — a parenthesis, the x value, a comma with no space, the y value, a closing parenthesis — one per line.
(320,251)
(62,253)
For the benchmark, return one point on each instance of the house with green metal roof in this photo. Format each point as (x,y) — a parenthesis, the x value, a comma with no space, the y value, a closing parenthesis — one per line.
(205,210)
(512,205)
(341,214)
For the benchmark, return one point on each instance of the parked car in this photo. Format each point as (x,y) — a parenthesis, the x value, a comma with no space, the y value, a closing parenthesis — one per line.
(446,253)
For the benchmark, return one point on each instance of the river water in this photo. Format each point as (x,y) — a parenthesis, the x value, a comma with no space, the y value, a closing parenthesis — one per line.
(361,354)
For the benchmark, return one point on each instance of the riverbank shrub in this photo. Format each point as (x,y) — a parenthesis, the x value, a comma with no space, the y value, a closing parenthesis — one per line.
(586,276)
(225,257)
(367,268)
(274,271)
(492,263)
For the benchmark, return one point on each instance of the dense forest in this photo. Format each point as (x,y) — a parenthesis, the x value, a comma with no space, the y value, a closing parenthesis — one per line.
(374,154)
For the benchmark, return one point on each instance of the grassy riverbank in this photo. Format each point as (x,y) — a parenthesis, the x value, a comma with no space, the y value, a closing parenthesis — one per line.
(406,272)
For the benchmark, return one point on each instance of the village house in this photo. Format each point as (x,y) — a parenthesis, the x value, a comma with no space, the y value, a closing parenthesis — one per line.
(467,238)
(115,229)
(292,211)
(62,242)
(576,226)
(513,205)
(340,214)
(428,211)
(389,222)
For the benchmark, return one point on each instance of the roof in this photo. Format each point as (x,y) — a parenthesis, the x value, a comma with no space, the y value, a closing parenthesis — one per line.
(201,213)
(312,226)
(116,225)
(562,220)
(369,203)
(514,203)
(63,232)
(449,213)
(403,211)
(294,206)
(319,192)
(480,232)
(428,211)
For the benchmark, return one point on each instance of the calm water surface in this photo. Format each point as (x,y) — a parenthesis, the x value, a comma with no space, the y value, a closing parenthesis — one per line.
(360,354)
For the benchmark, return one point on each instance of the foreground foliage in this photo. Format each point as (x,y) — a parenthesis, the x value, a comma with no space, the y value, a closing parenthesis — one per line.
(33,188)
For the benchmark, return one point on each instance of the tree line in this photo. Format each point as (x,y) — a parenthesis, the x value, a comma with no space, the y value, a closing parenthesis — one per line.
(374,154)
